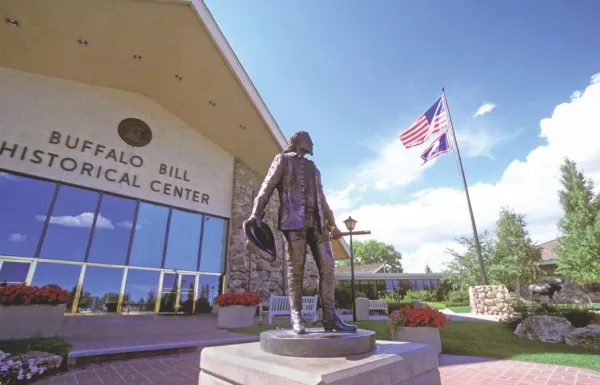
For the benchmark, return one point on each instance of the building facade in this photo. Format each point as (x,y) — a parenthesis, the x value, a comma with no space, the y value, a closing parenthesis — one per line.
(127,162)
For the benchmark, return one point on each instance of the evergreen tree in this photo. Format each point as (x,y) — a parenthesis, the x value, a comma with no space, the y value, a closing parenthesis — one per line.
(578,249)
(428,268)
(515,256)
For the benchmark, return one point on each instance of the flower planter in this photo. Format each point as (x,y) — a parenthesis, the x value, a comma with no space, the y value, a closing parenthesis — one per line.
(421,335)
(236,316)
(31,321)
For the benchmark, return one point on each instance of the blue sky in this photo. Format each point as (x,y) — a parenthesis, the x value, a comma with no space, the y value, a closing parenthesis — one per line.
(355,75)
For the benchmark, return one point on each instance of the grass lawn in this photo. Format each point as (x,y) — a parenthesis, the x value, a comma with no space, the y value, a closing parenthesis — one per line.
(56,346)
(460,309)
(436,305)
(486,339)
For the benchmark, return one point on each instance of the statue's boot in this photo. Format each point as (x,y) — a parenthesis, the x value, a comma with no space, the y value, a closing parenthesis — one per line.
(331,321)
(297,322)
(338,325)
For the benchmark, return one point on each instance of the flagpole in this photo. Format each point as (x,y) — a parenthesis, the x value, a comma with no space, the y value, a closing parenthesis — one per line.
(464,179)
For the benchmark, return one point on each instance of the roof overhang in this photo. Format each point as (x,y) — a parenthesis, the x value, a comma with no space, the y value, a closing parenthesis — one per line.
(174,39)
(386,276)
(185,64)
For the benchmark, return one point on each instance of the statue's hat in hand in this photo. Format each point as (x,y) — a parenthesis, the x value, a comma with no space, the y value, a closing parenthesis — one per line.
(260,239)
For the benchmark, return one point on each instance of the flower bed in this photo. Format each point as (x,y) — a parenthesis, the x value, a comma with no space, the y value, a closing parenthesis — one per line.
(25,368)
(241,299)
(419,325)
(236,309)
(31,311)
(23,295)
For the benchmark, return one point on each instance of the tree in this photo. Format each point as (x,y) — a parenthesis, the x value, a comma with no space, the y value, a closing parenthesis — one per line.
(428,268)
(373,251)
(515,257)
(463,269)
(578,249)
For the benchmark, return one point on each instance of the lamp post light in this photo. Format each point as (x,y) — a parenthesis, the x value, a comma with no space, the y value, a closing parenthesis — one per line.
(350,225)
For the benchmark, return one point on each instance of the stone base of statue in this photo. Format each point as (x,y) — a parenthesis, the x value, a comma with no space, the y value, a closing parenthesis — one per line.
(284,358)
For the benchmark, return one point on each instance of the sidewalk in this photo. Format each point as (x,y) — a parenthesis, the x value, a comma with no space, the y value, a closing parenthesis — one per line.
(455,370)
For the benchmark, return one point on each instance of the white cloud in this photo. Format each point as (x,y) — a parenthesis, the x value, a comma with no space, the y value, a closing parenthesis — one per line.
(17,237)
(485,108)
(426,225)
(340,200)
(128,225)
(84,220)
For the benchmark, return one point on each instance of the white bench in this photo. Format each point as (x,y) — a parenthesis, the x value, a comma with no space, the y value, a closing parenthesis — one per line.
(280,305)
(378,305)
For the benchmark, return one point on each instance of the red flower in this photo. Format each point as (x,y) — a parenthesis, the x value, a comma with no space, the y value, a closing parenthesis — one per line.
(595,322)
(17,295)
(243,299)
(409,317)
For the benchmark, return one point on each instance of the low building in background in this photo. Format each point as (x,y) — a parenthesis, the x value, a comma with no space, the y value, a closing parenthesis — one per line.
(371,280)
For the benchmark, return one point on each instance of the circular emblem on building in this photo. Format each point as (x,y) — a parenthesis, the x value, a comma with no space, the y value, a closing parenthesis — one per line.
(135,132)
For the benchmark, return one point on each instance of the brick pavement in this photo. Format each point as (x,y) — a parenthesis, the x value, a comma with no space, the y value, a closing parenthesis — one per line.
(455,370)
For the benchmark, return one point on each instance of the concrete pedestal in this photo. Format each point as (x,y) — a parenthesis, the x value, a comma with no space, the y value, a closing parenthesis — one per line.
(362,309)
(317,343)
(392,363)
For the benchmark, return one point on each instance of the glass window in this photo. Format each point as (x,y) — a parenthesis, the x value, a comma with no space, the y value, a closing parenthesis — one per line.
(435,283)
(420,284)
(214,239)
(22,201)
(13,273)
(70,224)
(186,295)
(184,240)
(141,289)
(389,286)
(149,238)
(209,287)
(113,230)
(168,299)
(101,288)
(57,274)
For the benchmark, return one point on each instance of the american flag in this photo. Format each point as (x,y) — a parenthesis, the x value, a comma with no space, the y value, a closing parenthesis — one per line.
(429,123)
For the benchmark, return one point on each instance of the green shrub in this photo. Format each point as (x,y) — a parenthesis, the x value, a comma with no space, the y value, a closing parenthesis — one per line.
(577,317)
(423,295)
(457,297)
(343,295)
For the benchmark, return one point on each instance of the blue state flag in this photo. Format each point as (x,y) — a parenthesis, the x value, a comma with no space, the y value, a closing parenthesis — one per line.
(439,146)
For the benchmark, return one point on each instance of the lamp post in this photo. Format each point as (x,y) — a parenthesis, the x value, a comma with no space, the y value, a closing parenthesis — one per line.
(350,225)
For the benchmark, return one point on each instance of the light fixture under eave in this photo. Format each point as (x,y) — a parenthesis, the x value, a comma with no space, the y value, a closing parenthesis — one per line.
(212,103)
(242,127)
(11,22)
(178,77)
(83,42)
(137,57)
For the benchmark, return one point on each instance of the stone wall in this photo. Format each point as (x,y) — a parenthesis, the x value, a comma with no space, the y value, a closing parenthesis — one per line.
(266,278)
(491,300)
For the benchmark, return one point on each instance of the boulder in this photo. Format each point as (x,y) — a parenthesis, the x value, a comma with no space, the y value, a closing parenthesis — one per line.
(544,328)
(587,338)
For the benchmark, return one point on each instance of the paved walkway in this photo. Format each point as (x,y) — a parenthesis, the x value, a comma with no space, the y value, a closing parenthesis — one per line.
(89,333)
(455,370)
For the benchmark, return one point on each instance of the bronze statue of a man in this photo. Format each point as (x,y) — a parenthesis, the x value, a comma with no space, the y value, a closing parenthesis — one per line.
(304,218)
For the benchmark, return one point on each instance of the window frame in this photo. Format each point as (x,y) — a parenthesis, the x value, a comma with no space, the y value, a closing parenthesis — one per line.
(33,261)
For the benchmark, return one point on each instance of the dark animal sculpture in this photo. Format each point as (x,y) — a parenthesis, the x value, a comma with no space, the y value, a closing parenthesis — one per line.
(547,289)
